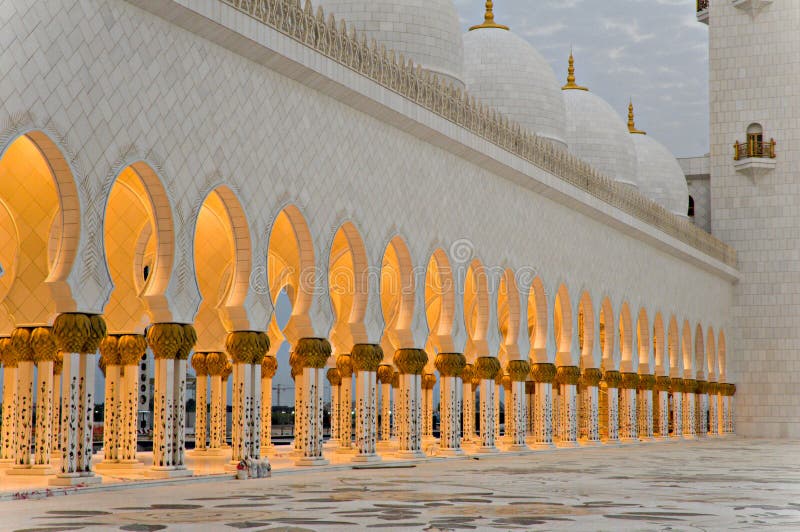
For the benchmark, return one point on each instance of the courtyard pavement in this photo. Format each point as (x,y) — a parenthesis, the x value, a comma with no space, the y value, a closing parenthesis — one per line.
(719,484)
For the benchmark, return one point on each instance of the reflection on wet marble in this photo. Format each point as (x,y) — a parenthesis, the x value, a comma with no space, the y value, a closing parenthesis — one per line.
(727,484)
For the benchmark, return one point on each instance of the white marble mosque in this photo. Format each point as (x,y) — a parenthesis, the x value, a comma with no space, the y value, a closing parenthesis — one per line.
(457,229)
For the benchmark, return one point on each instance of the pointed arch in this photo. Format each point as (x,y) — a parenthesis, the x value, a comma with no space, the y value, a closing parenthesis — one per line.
(397,294)
(674,349)
(643,342)
(348,287)
(699,354)
(586,331)
(659,347)
(476,310)
(607,336)
(711,356)
(508,316)
(722,358)
(562,327)
(537,320)
(439,303)
(627,361)
(686,349)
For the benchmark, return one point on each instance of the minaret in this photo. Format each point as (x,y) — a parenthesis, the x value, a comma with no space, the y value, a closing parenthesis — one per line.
(571,85)
(488,19)
(632,123)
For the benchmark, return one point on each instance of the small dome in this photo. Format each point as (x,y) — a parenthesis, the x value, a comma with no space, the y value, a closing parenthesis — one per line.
(507,73)
(426,31)
(597,134)
(660,176)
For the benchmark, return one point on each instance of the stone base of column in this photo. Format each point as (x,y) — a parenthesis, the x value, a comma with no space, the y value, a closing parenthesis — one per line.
(567,444)
(268,450)
(168,472)
(365,458)
(589,443)
(450,452)
(516,448)
(611,443)
(111,467)
(345,450)
(305,462)
(198,453)
(540,446)
(409,455)
(74,479)
(629,441)
(6,462)
(386,445)
(32,471)
(332,443)
(216,451)
(487,450)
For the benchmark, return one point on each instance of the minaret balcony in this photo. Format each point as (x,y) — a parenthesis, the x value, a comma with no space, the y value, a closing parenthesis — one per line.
(702,11)
(754,158)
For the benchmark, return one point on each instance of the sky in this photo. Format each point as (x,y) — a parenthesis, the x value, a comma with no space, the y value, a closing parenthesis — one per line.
(653,51)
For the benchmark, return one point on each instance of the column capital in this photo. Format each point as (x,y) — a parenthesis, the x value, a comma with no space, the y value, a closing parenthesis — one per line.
(468,373)
(344,363)
(612,378)
(568,375)
(591,377)
(21,343)
(313,352)
(702,387)
(396,379)
(109,351)
(410,361)
(689,385)
(646,381)
(487,367)
(79,333)
(269,366)
(334,377)
(199,364)
(385,374)
(8,356)
(247,347)
(366,357)
(676,385)
(662,383)
(543,372)
(428,381)
(518,370)
(43,344)
(450,364)
(170,340)
(131,348)
(629,381)
(216,363)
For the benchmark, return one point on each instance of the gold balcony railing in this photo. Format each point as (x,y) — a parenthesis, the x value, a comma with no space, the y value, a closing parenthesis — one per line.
(754,149)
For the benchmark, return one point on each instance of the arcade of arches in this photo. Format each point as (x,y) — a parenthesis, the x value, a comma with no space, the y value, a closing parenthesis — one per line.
(598,370)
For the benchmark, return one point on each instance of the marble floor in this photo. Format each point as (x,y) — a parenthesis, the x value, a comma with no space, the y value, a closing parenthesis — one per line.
(721,484)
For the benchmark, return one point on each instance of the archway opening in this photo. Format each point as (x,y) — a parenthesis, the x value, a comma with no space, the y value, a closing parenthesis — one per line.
(627,361)
(562,328)
(537,321)
(397,296)
(348,288)
(439,305)
(643,342)
(476,310)
(508,316)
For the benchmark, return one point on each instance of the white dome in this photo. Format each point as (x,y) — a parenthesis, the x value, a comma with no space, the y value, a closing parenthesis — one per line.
(507,73)
(426,31)
(660,176)
(597,134)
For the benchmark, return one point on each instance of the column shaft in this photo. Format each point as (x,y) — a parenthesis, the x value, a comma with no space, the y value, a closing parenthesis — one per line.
(110,423)
(590,396)
(518,414)
(677,414)
(449,407)
(469,412)
(569,413)
(613,415)
(24,426)
(201,412)
(543,414)
(386,411)
(44,413)
(365,414)
(129,409)
(487,413)
(8,449)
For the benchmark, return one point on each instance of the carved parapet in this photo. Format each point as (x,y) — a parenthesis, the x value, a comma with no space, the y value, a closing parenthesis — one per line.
(269,365)
(366,357)
(613,379)
(518,370)
(591,377)
(344,363)
(646,381)
(450,364)
(410,361)
(568,375)
(313,352)
(543,372)
(247,347)
(487,368)
(385,374)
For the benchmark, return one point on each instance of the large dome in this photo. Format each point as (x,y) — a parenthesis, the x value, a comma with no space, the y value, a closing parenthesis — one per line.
(426,31)
(597,134)
(660,176)
(506,72)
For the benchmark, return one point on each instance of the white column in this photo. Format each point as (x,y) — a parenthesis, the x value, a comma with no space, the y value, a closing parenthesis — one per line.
(688,415)
(530,397)
(336,413)
(55,443)
(590,397)
(201,412)
(310,417)
(518,414)
(627,415)
(449,426)
(8,448)
(71,421)
(345,410)
(266,415)
(613,415)
(487,413)
(87,368)
(240,431)
(217,415)
(428,381)
(24,421)
(677,413)
(44,417)
(253,412)
(498,389)
(366,422)
(386,412)
(110,421)
(569,415)
(644,410)
(409,420)
(702,409)
(543,415)
(129,398)
(713,411)
(469,411)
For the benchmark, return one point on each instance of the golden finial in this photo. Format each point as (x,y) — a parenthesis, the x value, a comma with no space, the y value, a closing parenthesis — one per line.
(631,123)
(571,85)
(488,19)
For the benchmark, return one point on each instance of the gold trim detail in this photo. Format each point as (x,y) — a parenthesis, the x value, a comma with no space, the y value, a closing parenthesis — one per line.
(568,375)
(571,85)
(450,364)
(487,367)
(410,361)
(632,122)
(488,19)
(313,352)
(543,372)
